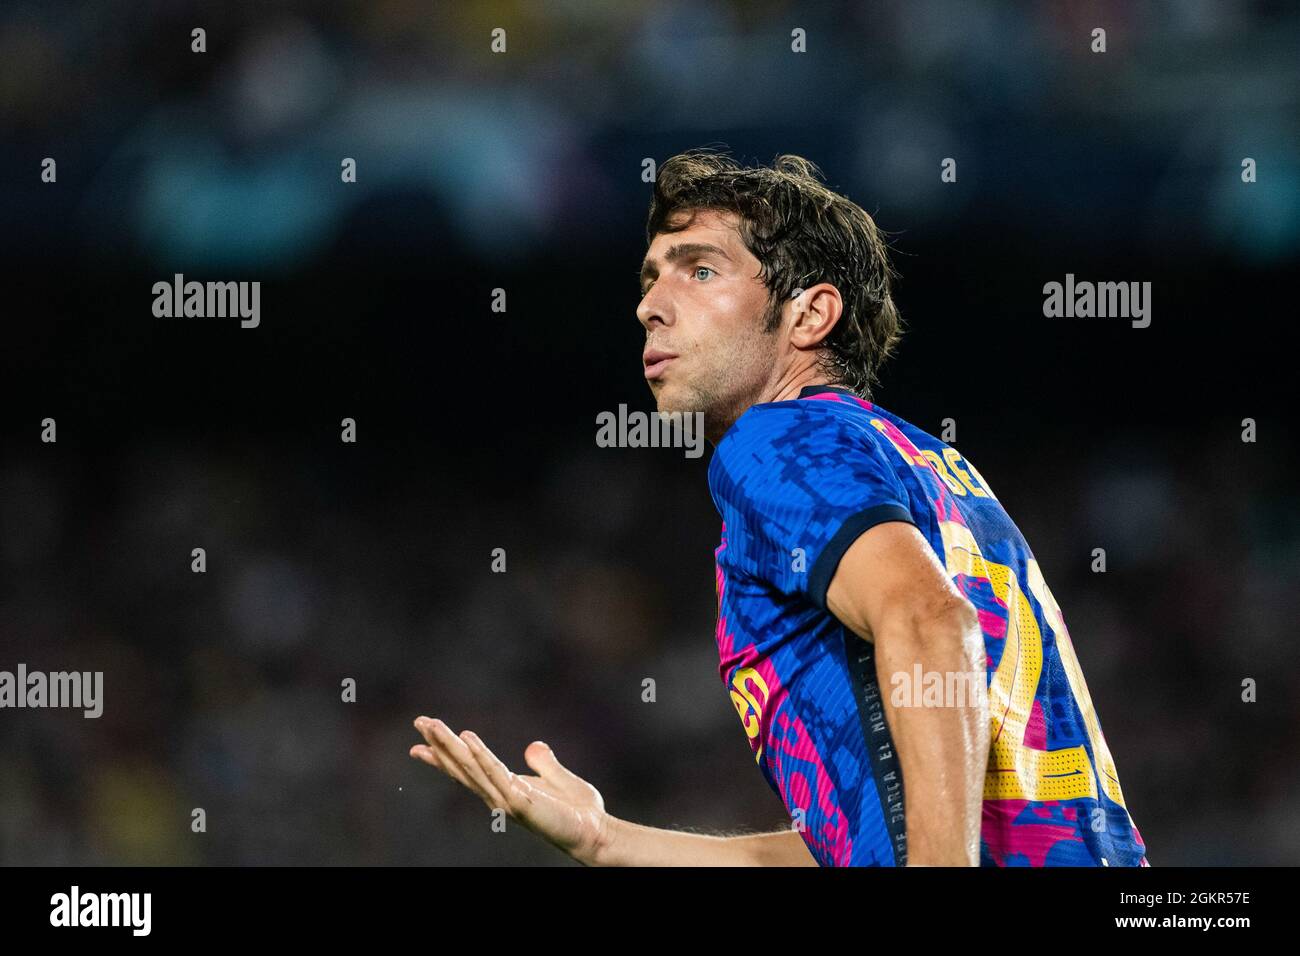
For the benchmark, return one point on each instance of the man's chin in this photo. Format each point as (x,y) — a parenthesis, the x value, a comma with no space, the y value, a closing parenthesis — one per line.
(669,399)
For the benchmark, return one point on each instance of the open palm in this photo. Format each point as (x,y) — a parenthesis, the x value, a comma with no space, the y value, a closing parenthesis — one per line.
(554,802)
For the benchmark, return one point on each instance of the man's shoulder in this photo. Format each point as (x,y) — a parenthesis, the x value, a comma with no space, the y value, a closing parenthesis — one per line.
(800,443)
(796,426)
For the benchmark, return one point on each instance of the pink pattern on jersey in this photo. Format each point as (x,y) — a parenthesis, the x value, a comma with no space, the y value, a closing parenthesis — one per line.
(834,840)
(834,843)
(1004,837)
(839,397)
(994,625)
(1036,727)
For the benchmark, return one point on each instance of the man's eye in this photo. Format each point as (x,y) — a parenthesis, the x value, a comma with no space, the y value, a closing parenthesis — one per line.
(699,269)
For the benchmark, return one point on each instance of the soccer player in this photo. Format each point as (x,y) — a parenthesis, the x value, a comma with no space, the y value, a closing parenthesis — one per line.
(899,665)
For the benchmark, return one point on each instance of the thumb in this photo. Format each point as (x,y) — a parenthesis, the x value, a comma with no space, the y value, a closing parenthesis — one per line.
(541,758)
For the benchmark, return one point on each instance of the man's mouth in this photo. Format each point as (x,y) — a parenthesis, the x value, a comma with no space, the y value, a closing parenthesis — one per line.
(655,362)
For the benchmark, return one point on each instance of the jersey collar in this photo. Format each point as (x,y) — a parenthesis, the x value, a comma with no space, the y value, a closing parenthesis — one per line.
(809,390)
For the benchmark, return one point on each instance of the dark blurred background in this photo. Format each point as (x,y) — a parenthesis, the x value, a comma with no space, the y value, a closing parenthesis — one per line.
(476,429)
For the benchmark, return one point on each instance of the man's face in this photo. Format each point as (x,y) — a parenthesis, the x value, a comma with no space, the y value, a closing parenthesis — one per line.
(704,309)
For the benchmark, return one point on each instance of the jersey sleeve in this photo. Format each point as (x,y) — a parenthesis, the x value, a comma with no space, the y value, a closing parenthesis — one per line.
(796,484)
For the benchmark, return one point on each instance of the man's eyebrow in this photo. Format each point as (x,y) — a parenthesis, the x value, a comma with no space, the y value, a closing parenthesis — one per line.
(683,250)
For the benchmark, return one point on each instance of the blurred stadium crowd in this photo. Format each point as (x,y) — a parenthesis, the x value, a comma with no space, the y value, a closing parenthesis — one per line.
(223,689)
(215,155)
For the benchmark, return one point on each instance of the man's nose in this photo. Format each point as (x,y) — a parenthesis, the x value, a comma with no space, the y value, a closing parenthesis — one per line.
(654,309)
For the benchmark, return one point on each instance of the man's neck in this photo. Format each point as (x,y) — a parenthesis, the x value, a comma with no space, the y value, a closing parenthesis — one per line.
(785,389)
(789,387)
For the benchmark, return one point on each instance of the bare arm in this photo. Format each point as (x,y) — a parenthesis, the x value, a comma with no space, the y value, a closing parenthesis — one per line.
(891,589)
(568,812)
(632,844)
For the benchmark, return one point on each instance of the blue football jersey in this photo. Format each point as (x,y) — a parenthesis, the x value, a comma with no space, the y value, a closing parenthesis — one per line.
(796,483)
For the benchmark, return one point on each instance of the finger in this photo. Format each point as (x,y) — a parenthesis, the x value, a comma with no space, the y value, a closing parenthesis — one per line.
(480,774)
(427,754)
(425,726)
(449,754)
(438,754)
(433,758)
(455,749)
(542,759)
(497,773)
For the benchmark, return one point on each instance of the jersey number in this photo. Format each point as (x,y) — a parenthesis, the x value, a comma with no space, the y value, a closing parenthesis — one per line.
(1015,771)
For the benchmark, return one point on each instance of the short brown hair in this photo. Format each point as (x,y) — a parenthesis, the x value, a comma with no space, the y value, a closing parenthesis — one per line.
(802,233)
